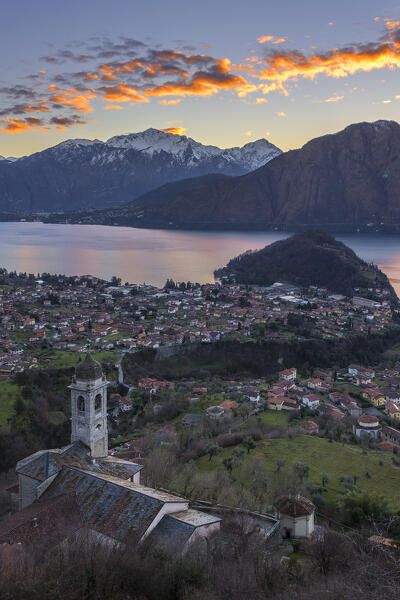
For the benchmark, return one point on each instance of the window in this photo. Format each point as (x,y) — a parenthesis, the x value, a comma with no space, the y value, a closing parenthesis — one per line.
(81,404)
(97,402)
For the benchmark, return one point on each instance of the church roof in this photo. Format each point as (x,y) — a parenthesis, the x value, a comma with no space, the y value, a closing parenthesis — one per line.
(178,528)
(46,463)
(88,369)
(171,532)
(113,507)
(51,521)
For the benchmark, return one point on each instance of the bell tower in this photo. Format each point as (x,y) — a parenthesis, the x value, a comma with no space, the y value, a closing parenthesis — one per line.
(89,407)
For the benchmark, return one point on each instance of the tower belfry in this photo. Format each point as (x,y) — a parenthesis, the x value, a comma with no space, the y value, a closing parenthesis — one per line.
(89,407)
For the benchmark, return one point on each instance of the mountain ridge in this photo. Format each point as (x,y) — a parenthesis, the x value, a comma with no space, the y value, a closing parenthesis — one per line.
(344,181)
(81,174)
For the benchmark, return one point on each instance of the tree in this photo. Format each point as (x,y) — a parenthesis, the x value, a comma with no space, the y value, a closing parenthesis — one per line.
(324,480)
(245,410)
(249,443)
(19,406)
(188,472)
(228,463)
(213,450)
(329,550)
(238,454)
(347,482)
(359,506)
(244,302)
(279,464)
(170,284)
(301,470)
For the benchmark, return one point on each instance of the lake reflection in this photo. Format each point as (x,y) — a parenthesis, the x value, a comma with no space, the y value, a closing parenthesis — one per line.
(152,256)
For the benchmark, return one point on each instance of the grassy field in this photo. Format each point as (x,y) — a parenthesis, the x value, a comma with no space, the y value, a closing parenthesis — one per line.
(62,358)
(271,417)
(321,456)
(9,392)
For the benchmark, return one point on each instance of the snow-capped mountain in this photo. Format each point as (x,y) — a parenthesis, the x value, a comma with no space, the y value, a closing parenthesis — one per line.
(82,173)
(153,141)
(8,158)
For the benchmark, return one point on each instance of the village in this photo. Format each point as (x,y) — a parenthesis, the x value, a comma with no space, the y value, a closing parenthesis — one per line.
(51,321)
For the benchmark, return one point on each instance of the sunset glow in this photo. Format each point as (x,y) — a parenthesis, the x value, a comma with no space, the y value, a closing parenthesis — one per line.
(214,89)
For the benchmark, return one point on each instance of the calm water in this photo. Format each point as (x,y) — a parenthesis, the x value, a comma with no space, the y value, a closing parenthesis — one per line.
(151,256)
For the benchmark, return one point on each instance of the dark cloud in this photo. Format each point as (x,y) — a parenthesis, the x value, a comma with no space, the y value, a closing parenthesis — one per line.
(67,121)
(18,91)
(21,109)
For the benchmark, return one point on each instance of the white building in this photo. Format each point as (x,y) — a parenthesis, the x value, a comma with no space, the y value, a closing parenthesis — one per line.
(311,401)
(367,426)
(296,515)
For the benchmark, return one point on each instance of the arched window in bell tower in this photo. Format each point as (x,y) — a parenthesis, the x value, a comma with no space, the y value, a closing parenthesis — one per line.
(97,402)
(80,403)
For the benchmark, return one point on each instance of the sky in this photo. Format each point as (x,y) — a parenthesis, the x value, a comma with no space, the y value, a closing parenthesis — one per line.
(222,72)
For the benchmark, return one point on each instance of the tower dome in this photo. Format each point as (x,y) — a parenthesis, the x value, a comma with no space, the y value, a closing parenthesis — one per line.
(89,369)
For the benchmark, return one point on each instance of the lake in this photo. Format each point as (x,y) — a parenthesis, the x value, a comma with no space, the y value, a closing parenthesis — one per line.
(152,256)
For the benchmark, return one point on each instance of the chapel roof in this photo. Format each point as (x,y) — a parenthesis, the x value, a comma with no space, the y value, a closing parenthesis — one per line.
(294,506)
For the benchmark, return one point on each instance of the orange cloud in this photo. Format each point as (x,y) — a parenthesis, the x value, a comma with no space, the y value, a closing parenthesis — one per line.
(167,102)
(33,108)
(175,130)
(106,73)
(129,66)
(261,100)
(20,125)
(89,76)
(281,114)
(265,38)
(391,25)
(73,98)
(205,83)
(113,107)
(288,65)
(271,38)
(334,99)
(122,93)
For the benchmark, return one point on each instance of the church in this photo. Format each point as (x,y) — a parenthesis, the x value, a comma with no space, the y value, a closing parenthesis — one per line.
(80,487)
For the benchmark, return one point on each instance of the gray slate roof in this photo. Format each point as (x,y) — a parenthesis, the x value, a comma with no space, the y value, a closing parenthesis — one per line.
(116,508)
(45,463)
(176,529)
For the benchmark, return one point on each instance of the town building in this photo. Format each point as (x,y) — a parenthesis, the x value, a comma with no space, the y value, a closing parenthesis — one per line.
(367,425)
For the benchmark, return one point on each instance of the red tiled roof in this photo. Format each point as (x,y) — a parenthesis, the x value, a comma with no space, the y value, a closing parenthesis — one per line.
(294,506)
